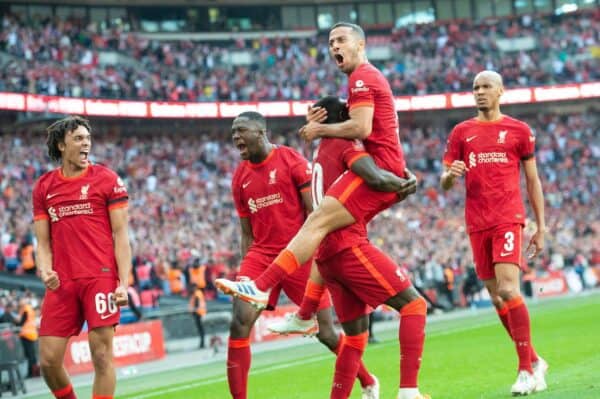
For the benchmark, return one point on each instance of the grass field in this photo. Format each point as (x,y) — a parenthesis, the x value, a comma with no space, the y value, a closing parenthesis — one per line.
(465,358)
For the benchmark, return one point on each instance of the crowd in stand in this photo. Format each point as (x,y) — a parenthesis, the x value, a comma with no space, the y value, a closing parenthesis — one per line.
(61,57)
(184,226)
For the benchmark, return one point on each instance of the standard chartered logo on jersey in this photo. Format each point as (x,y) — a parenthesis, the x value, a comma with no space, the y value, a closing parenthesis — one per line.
(487,157)
(264,202)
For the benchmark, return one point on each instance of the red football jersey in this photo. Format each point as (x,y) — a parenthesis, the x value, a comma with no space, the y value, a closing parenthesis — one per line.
(332,158)
(368,86)
(77,209)
(268,194)
(492,152)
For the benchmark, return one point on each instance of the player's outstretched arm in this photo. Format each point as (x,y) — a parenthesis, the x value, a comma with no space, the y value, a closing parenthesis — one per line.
(382,180)
(119,219)
(43,254)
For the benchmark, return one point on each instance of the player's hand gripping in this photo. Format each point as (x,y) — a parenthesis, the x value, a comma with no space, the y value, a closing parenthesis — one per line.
(410,186)
(457,169)
(310,131)
(50,279)
(316,114)
(121,296)
(536,244)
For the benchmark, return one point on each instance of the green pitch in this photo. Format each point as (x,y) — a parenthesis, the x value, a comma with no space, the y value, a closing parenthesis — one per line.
(464,358)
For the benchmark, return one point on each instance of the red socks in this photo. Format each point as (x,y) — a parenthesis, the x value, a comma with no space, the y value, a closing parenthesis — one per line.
(65,393)
(520,331)
(347,365)
(238,366)
(503,315)
(284,264)
(311,300)
(412,336)
(363,375)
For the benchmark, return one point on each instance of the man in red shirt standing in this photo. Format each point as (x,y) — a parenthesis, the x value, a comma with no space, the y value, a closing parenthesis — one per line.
(84,257)
(489,151)
(271,192)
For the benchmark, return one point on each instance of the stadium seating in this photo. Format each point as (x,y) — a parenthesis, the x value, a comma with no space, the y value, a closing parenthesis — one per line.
(63,57)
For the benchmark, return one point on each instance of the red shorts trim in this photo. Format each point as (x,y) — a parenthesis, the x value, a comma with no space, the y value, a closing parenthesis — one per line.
(359,278)
(500,244)
(363,202)
(254,263)
(74,302)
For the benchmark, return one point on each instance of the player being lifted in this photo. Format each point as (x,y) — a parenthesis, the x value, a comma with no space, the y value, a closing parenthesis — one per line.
(373,119)
(488,151)
(83,254)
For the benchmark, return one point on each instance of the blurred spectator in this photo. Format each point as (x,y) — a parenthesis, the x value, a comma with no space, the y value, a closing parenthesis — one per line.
(61,57)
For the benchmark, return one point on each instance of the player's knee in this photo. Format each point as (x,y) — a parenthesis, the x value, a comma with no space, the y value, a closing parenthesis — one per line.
(239,327)
(507,292)
(328,337)
(50,364)
(102,359)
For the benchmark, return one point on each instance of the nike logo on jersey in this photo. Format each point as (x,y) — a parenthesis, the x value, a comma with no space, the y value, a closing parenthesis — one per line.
(106,316)
(51,195)
(471,138)
(505,253)
(244,185)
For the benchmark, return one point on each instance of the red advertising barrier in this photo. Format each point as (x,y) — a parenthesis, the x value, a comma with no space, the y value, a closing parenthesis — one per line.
(188,110)
(553,284)
(133,343)
(260,332)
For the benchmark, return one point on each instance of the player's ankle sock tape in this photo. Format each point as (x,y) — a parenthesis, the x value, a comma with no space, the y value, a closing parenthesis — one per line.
(239,342)
(287,261)
(503,311)
(63,392)
(357,341)
(314,290)
(515,302)
(416,307)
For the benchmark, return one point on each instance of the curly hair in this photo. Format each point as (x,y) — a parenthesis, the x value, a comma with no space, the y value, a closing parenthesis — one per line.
(58,130)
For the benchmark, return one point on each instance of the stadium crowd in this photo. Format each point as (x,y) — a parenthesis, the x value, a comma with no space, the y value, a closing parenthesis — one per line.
(61,57)
(183,222)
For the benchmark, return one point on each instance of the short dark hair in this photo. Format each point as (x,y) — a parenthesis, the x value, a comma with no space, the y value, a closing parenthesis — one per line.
(58,130)
(254,116)
(355,28)
(337,111)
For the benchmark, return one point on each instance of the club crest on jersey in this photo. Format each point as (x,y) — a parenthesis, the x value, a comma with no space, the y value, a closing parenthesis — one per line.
(273,176)
(52,214)
(359,83)
(472,160)
(84,192)
(502,136)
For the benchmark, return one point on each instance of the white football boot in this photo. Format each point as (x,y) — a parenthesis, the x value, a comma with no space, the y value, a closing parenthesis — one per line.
(411,393)
(540,368)
(524,385)
(371,391)
(245,290)
(292,324)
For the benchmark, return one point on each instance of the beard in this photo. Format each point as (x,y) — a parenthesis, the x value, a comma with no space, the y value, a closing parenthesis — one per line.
(483,109)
